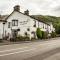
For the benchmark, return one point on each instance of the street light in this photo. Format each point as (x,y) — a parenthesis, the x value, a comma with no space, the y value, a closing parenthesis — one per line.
(3,29)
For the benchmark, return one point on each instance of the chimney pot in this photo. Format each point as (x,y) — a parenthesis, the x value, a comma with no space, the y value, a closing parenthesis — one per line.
(26,12)
(17,8)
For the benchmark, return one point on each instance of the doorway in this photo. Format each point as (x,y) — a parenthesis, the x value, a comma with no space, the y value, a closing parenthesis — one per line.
(14,34)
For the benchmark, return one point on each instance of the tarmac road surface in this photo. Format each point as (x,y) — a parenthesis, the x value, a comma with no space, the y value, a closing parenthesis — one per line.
(39,50)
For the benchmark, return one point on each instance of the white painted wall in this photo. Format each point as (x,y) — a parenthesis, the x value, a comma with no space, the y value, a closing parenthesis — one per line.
(23,26)
(1,30)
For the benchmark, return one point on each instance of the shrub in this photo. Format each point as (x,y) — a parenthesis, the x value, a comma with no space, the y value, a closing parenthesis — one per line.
(39,33)
(44,35)
(26,38)
(19,38)
(1,40)
(57,28)
(22,38)
(53,34)
(32,39)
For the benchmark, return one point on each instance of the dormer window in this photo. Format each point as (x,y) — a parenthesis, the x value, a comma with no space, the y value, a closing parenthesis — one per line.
(14,22)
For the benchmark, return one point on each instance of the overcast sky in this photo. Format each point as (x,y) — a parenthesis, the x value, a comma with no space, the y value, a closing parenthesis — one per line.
(41,7)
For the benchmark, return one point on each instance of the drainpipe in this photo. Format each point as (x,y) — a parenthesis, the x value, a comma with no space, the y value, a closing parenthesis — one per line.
(3,29)
(38,24)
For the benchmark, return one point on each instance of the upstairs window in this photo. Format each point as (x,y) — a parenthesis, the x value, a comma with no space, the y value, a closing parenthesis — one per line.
(14,22)
(35,24)
(43,26)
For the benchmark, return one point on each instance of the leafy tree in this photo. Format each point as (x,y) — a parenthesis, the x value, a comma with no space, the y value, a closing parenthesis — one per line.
(39,33)
(57,28)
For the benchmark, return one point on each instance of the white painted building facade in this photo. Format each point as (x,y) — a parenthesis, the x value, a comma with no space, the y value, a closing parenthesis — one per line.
(22,24)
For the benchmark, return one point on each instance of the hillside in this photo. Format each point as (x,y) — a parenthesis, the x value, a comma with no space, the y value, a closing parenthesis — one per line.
(52,19)
(55,21)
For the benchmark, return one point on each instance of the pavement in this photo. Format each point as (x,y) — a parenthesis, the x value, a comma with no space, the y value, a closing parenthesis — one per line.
(5,42)
(38,50)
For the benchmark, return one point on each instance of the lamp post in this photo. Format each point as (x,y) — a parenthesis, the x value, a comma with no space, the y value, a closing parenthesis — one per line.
(3,29)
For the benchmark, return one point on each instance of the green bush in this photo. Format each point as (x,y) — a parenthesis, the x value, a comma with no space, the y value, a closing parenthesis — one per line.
(26,39)
(22,38)
(57,27)
(39,33)
(44,35)
(53,34)
(19,38)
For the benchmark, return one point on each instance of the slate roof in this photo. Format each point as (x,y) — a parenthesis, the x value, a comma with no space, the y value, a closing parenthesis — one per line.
(3,18)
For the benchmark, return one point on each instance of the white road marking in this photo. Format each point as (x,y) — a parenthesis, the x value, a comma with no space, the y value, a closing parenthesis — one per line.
(16,52)
(13,49)
(33,48)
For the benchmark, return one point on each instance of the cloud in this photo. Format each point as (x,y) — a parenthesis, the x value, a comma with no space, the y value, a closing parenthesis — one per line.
(44,7)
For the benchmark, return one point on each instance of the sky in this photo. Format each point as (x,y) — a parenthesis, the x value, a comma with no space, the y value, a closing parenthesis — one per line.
(40,7)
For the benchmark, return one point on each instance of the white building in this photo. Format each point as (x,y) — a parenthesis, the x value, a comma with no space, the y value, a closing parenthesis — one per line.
(22,24)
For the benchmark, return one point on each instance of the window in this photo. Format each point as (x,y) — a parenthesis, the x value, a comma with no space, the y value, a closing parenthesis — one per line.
(35,24)
(28,29)
(14,22)
(18,29)
(32,32)
(43,26)
(9,24)
(26,34)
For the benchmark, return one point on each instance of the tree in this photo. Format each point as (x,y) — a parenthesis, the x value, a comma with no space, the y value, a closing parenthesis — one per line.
(57,28)
(39,33)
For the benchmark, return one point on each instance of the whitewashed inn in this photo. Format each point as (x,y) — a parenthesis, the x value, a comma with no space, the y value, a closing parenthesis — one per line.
(21,24)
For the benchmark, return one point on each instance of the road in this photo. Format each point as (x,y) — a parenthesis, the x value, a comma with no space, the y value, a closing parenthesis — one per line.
(39,50)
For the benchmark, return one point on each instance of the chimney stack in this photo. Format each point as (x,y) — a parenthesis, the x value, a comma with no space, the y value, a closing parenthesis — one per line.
(26,12)
(17,8)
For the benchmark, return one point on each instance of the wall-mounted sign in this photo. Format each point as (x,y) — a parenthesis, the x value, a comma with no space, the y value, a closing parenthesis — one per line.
(24,22)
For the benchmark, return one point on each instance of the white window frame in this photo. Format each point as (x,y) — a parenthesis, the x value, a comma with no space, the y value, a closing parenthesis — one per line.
(14,22)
